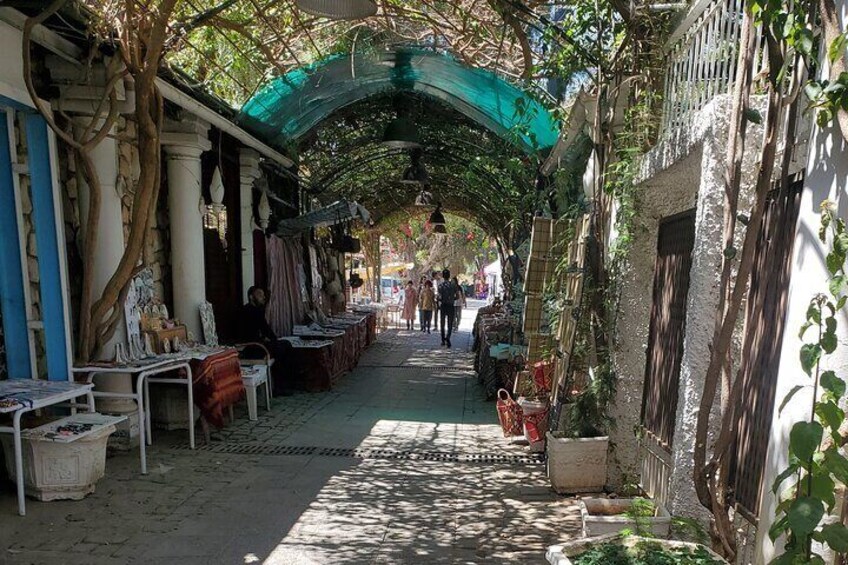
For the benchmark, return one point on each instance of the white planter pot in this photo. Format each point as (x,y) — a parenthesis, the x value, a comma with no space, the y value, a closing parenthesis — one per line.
(609,516)
(561,554)
(56,471)
(577,464)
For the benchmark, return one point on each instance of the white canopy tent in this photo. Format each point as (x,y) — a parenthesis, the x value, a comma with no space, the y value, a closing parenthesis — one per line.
(493,273)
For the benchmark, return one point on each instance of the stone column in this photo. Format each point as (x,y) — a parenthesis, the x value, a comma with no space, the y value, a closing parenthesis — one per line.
(107,254)
(110,228)
(183,149)
(249,172)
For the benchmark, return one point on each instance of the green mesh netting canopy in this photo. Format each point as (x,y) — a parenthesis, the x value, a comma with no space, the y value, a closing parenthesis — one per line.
(291,105)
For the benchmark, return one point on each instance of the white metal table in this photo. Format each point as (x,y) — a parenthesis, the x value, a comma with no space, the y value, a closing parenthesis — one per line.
(25,395)
(141,370)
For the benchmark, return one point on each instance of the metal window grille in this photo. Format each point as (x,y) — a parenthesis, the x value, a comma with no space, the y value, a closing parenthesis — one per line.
(667,327)
(764,321)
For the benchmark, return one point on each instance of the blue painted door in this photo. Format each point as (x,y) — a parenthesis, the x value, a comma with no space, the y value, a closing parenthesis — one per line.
(47,224)
(12,301)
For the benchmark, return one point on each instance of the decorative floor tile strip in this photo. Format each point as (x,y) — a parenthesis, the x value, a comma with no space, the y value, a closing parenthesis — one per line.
(357,453)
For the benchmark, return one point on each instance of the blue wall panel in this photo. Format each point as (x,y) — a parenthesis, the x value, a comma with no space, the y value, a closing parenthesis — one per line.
(49,266)
(11,283)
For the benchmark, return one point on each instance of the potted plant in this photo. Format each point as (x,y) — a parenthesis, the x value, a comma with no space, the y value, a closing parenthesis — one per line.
(577,451)
(641,516)
(618,549)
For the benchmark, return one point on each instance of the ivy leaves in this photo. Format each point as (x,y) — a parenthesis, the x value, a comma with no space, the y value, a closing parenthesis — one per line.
(814,459)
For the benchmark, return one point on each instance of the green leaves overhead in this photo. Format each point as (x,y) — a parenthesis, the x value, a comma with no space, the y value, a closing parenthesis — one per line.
(471,170)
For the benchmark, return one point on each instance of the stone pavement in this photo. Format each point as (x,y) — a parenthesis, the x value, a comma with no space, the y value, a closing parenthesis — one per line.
(403,462)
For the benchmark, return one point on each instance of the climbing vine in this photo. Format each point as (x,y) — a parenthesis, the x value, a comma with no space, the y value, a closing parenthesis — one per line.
(815,464)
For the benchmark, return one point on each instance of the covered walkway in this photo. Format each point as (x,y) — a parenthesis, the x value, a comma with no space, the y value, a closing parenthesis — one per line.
(404,462)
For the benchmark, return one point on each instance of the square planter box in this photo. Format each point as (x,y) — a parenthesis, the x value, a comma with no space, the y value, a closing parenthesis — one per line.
(577,464)
(57,467)
(609,516)
(562,554)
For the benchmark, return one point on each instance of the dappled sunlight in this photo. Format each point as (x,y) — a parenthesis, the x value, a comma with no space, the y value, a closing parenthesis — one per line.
(397,464)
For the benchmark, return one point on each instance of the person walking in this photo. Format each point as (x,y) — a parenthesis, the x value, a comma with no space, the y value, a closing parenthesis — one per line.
(428,303)
(458,304)
(421,282)
(448,292)
(437,280)
(410,305)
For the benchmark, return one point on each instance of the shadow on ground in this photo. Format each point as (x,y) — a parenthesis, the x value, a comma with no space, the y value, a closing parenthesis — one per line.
(208,506)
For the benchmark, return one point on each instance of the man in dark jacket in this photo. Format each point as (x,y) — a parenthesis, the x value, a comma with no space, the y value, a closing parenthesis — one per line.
(448,293)
(253,327)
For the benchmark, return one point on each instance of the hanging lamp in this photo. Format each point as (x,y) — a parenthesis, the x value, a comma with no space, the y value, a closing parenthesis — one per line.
(437,218)
(401,133)
(339,9)
(416,173)
(440,228)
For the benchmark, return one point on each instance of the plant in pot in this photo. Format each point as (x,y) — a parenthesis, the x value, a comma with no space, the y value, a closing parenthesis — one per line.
(621,549)
(577,451)
(639,516)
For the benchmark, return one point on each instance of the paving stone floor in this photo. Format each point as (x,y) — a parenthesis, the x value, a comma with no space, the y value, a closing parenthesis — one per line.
(408,396)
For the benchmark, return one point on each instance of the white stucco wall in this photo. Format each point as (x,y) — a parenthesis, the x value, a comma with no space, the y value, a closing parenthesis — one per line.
(826,178)
(665,194)
(11,65)
(682,172)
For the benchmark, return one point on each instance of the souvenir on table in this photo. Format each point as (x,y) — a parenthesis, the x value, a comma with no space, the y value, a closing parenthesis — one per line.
(207,322)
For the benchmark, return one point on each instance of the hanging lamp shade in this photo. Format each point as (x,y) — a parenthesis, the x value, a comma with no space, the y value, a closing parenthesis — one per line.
(339,9)
(401,133)
(437,218)
(416,174)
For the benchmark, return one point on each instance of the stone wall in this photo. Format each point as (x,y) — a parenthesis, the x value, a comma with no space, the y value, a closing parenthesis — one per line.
(157,251)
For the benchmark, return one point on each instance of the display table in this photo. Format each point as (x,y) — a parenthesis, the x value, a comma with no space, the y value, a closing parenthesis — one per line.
(20,396)
(311,362)
(320,355)
(142,370)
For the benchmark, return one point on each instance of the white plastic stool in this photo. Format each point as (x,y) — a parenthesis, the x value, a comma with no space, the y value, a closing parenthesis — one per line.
(253,376)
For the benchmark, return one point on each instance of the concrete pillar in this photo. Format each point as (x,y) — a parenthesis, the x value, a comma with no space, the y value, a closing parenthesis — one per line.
(185,203)
(249,172)
(107,256)
(110,226)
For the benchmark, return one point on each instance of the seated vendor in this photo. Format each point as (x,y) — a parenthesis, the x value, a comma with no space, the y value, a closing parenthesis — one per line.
(253,327)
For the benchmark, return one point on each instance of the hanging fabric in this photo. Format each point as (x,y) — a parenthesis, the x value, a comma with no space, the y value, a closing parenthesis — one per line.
(285,273)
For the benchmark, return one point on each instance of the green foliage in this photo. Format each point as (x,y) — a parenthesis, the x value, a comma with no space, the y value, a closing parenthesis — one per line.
(643,553)
(789,22)
(815,464)
(640,512)
(465,249)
